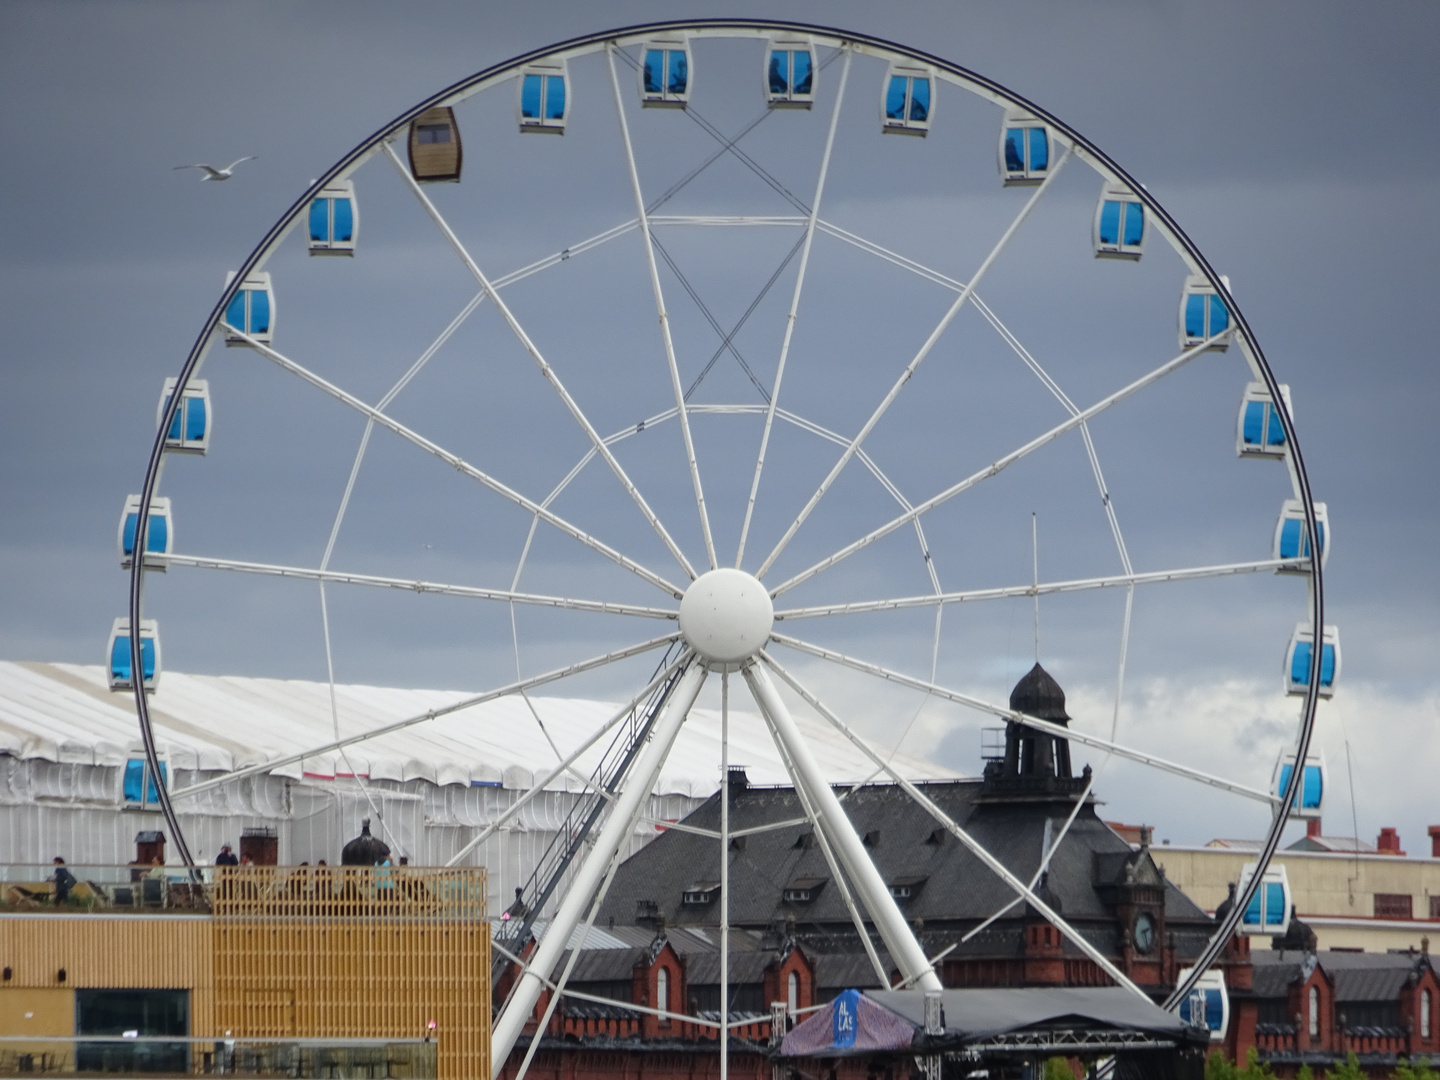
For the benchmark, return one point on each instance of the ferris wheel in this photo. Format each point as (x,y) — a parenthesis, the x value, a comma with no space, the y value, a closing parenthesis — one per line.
(765,378)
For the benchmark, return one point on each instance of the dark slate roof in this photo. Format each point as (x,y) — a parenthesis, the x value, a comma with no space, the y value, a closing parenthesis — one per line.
(845,971)
(1369,976)
(957,886)
(1357,977)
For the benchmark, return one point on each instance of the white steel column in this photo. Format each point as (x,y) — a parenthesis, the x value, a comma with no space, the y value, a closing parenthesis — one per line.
(638,785)
(725,875)
(874,893)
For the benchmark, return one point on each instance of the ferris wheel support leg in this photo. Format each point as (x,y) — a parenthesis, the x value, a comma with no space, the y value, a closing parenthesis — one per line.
(512,1018)
(874,893)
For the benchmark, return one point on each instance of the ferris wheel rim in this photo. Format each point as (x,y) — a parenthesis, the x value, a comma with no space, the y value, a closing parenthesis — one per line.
(589,42)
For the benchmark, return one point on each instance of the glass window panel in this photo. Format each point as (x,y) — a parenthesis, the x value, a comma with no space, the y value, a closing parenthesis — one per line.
(157,527)
(1276,428)
(1300,664)
(1134,224)
(147,658)
(1313,789)
(1252,913)
(127,543)
(1195,318)
(530,97)
(235,312)
(1219,317)
(1254,422)
(1039,150)
(1110,223)
(134,777)
(895,98)
(344,220)
(1290,539)
(175,421)
(679,72)
(654,64)
(434,133)
(1214,1009)
(194,409)
(1286,771)
(804,72)
(779,71)
(1274,903)
(920,100)
(1014,150)
(554,97)
(1327,665)
(320,220)
(259,311)
(120,659)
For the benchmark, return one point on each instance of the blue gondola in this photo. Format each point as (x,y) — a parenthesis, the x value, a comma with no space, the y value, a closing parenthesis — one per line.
(190,427)
(1203,313)
(1291,539)
(1259,431)
(334,219)
(1298,658)
(117,655)
(542,94)
(907,100)
(1025,149)
(1269,909)
(1311,795)
(251,310)
(1208,1004)
(1119,223)
(138,785)
(159,529)
(790,74)
(666,73)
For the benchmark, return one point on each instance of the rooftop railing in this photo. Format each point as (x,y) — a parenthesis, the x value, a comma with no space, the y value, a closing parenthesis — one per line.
(246,891)
(142,1056)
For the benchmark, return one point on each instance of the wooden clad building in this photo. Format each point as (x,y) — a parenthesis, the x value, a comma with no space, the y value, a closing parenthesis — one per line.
(299,952)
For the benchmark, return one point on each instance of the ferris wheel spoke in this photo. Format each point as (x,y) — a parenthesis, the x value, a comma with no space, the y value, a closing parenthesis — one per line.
(1005,713)
(453,460)
(915,362)
(1000,464)
(544,366)
(205,562)
(1151,577)
(664,317)
(808,243)
(555,675)
(976,848)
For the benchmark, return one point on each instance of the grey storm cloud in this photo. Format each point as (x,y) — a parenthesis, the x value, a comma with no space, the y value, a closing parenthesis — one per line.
(1294,142)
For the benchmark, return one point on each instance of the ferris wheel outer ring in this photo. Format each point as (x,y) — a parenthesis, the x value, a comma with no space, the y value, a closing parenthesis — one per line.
(280,229)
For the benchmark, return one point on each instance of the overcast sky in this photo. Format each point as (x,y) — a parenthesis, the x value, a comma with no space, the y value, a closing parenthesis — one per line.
(1295,143)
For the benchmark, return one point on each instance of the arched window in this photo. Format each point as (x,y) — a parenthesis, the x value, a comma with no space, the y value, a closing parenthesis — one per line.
(662,992)
(793,988)
(1314,1012)
(1425,1014)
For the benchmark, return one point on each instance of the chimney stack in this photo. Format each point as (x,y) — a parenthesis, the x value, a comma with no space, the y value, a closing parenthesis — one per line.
(1388,842)
(1435,841)
(1312,827)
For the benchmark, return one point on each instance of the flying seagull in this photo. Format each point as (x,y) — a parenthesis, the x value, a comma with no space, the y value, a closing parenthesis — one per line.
(212,173)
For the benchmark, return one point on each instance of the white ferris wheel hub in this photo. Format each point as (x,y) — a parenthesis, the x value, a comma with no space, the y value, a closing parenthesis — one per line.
(726,616)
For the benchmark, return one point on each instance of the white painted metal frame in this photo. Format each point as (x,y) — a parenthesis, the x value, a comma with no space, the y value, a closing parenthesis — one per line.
(842,848)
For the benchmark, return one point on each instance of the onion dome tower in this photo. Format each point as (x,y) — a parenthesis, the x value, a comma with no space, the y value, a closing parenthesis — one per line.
(364,850)
(1036,763)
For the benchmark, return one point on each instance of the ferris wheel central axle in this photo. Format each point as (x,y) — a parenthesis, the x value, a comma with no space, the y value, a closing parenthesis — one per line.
(726,616)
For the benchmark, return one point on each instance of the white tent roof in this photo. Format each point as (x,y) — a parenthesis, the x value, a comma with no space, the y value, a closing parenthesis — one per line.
(66,713)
